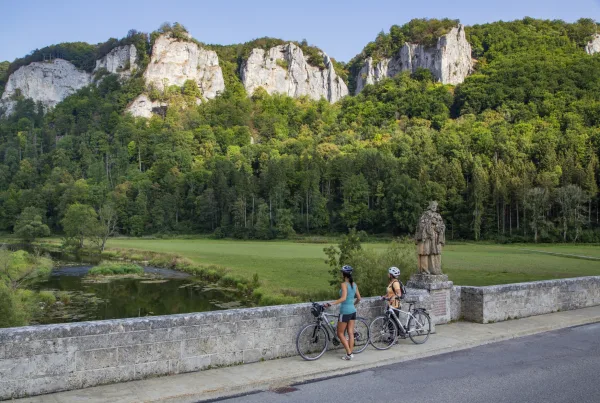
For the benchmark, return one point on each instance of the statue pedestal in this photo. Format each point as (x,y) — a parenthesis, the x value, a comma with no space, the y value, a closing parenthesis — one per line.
(440,290)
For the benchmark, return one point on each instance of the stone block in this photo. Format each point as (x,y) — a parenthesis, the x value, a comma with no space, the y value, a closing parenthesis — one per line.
(226,359)
(95,359)
(199,347)
(189,332)
(106,375)
(191,364)
(14,368)
(55,364)
(258,354)
(151,369)
(90,342)
(285,350)
(225,328)
(130,355)
(34,347)
(167,350)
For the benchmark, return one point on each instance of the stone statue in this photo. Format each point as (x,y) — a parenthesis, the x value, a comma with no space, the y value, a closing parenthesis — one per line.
(430,239)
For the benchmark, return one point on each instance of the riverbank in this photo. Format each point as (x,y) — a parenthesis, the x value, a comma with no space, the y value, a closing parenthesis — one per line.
(295,271)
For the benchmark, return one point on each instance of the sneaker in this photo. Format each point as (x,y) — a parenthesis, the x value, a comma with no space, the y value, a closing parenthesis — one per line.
(347,357)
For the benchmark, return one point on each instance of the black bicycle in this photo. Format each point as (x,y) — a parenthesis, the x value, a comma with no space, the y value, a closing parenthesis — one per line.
(313,339)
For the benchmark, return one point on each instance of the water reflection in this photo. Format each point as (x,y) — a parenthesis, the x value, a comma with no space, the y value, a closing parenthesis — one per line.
(166,292)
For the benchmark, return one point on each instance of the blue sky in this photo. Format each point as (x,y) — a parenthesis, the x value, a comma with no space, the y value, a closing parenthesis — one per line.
(341,28)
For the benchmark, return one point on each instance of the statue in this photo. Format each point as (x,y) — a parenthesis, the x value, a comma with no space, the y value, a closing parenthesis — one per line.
(429,239)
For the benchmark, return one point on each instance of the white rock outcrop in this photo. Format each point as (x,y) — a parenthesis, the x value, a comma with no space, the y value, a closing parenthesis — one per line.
(45,82)
(120,60)
(144,107)
(449,61)
(593,46)
(285,70)
(175,61)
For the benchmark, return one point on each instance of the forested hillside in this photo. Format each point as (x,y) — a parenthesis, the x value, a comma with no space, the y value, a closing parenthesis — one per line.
(510,154)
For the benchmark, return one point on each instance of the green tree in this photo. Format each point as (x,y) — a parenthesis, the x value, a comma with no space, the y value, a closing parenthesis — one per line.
(285,224)
(30,226)
(337,257)
(80,223)
(537,202)
(572,200)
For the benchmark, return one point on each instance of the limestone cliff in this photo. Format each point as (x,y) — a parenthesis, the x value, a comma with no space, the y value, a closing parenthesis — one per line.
(175,61)
(45,82)
(593,46)
(143,106)
(449,61)
(284,69)
(120,60)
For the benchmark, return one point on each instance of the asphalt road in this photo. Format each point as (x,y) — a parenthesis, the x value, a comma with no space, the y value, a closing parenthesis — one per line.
(561,366)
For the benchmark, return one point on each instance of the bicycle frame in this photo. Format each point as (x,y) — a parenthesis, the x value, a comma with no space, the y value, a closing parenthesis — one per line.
(393,313)
(329,329)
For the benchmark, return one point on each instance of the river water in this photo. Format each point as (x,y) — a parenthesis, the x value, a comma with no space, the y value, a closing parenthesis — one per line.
(160,292)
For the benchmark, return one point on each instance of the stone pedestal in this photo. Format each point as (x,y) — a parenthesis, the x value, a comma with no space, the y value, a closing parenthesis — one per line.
(440,291)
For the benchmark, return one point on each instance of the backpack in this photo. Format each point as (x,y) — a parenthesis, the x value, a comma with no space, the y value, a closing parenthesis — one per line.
(402,288)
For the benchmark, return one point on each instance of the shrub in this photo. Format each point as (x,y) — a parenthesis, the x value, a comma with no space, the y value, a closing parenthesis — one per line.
(46,297)
(371,267)
(114,268)
(16,306)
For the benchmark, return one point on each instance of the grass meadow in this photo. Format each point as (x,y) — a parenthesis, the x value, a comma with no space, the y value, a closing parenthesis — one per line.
(296,267)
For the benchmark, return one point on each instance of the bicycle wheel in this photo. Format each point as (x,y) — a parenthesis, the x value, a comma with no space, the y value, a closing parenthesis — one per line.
(361,335)
(383,332)
(419,327)
(311,342)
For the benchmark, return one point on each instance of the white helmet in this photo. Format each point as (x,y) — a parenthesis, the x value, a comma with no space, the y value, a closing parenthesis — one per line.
(394,271)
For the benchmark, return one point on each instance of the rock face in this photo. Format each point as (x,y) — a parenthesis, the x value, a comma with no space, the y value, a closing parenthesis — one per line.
(144,107)
(449,61)
(593,46)
(175,61)
(285,70)
(121,60)
(45,82)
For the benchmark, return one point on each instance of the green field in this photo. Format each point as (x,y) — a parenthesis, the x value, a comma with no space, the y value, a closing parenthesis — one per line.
(300,267)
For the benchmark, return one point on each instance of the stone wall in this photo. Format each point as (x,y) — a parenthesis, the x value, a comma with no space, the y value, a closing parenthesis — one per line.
(43,359)
(511,301)
(456,303)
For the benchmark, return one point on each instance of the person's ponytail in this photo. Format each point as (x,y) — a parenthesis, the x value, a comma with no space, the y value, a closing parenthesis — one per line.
(349,277)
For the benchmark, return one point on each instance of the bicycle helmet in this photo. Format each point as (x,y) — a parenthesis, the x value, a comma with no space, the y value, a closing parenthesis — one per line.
(394,271)
(347,269)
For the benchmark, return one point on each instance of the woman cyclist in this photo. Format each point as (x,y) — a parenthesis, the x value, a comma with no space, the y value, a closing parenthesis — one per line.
(393,289)
(348,294)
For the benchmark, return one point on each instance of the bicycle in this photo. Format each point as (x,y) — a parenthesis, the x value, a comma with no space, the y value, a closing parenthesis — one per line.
(313,339)
(385,330)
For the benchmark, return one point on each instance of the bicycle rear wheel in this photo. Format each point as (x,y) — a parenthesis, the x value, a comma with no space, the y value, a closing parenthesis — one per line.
(361,335)
(311,342)
(383,332)
(419,327)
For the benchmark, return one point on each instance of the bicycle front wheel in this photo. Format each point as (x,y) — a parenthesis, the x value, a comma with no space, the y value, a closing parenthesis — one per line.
(311,342)
(361,335)
(383,332)
(419,327)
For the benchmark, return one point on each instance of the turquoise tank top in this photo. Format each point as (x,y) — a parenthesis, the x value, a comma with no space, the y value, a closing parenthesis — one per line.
(347,307)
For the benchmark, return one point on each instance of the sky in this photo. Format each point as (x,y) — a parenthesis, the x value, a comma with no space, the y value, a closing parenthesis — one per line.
(340,28)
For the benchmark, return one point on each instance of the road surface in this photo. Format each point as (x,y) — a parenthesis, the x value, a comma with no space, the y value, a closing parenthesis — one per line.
(561,366)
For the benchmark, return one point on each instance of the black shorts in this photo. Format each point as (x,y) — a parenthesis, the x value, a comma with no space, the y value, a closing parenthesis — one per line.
(347,318)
